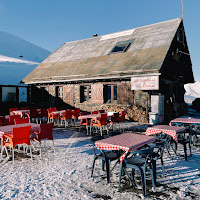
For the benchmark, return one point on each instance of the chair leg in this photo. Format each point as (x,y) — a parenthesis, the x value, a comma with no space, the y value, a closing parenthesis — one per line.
(120,174)
(93,165)
(152,179)
(40,151)
(53,147)
(154,170)
(162,164)
(108,170)
(185,151)
(190,149)
(13,156)
(143,177)
(30,152)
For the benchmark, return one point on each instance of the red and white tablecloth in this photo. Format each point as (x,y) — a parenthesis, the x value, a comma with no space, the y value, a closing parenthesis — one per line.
(169,130)
(21,112)
(35,128)
(127,142)
(185,120)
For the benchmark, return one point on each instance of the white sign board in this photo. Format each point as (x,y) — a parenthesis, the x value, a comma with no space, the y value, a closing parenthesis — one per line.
(150,82)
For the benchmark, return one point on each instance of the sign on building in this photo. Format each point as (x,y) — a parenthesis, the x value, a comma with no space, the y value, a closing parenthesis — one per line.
(148,82)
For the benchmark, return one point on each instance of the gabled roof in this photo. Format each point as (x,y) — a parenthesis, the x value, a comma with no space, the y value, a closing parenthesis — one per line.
(90,58)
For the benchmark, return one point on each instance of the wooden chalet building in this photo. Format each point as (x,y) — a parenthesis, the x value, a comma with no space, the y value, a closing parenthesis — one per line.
(96,73)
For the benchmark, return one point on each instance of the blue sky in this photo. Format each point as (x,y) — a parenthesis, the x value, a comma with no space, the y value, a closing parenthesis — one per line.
(50,23)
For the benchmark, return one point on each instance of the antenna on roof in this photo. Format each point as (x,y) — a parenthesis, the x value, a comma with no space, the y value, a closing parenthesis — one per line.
(182,8)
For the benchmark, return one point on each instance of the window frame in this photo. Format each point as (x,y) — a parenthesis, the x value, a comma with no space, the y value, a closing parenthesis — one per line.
(82,94)
(126,45)
(112,94)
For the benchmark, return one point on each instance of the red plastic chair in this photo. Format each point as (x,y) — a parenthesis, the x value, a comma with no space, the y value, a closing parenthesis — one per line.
(75,114)
(24,108)
(20,135)
(34,114)
(3,120)
(43,114)
(100,123)
(122,116)
(94,112)
(12,119)
(53,109)
(66,117)
(22,121)
(101,111)
(12,109)
(51,116)
(84,122)
(115,120)
(46,132)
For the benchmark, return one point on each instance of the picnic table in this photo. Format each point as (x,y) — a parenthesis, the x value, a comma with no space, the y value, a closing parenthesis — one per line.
(185,120)
(169,130)
(21,112)
(8,129)
(126,141)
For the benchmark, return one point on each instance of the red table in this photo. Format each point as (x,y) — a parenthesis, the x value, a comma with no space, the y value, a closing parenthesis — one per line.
(21,112)
(90,116)
(169,130)
(35,128)
(126,141)
(60,112)
(185,120)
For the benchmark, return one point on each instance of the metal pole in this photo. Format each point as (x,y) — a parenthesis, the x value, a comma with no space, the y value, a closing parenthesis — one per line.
(182,8)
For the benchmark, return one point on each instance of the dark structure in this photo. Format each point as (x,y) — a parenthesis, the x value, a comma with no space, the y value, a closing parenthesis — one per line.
(96,73)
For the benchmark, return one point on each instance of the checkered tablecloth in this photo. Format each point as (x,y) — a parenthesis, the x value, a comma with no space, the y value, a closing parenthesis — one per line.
(169,130)
(35,128)
(185,120)
(21,112)
(127,142)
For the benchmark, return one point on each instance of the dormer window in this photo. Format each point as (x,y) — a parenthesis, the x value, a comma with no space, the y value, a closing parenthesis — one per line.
(121,46)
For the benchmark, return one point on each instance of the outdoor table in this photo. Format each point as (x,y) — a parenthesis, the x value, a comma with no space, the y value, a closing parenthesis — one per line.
(60,112)
(169,130)
(35,128)
(126,141)
(90,116)
(185,120)
(21,112)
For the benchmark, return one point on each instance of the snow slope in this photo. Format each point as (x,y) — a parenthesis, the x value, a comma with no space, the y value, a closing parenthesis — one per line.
(18,58)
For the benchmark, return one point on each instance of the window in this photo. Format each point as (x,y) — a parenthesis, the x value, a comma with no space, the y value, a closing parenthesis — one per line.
(121,46)
(22,94)
(110,93)
(9,94)
(85,93)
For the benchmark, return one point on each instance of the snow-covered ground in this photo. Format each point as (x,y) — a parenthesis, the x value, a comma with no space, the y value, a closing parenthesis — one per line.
(66,174)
